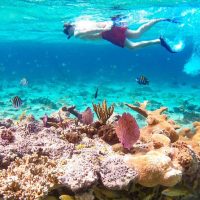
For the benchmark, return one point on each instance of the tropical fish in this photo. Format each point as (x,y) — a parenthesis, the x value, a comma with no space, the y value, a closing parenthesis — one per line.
(96,93)
(24,82)
(176,191)
(66,197)
(142,80)
(16,102)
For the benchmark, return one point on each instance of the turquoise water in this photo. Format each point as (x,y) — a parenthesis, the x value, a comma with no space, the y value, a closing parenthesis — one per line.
(65,72)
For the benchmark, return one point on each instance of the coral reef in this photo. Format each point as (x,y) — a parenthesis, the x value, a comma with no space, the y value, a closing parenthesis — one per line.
(78,159)
(155,168)
(81,171)
(29,178)
(108,134)
(114,168)
(156,121)
(103,112)
(85,117)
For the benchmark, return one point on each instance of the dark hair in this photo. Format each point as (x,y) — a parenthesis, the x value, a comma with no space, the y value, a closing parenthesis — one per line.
(67,26)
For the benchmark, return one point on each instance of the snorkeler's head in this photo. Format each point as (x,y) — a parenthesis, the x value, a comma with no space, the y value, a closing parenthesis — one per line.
(119,20)
(68,30)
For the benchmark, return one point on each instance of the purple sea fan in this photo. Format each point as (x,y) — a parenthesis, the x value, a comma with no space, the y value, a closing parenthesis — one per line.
(87,116)
(127,130)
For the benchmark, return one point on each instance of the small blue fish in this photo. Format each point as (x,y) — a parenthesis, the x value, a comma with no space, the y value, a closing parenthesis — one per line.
(142,80)
(16,102)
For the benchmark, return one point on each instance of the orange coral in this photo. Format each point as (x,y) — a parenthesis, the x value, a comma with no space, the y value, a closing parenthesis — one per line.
(156,120)
(186,157)
(154,168)
(196,136)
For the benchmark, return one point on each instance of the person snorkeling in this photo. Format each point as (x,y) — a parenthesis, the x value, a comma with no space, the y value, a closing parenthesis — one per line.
(117,32)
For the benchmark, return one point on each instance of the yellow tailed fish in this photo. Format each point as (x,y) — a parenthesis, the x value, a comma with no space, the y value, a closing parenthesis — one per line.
(66,197)
(177,191)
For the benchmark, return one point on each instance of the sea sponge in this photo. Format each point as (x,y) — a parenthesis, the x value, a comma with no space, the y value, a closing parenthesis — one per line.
(156,120)
(108,134)
(154,168)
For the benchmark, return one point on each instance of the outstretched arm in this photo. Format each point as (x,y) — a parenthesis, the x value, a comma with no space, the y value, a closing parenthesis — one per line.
(90,32)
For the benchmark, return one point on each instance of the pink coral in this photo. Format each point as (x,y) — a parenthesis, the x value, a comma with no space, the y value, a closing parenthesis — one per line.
(87,116)
(127,130)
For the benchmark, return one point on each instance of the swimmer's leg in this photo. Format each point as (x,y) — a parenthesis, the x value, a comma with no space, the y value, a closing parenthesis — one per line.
(142,29)
(137,45)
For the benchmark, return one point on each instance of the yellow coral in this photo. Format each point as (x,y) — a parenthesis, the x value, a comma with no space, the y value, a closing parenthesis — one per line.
(103,112)
(80,146)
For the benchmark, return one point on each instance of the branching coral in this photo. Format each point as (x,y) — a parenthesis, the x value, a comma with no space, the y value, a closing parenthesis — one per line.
(55,122)
(156,120)
(85,117)
(103,112)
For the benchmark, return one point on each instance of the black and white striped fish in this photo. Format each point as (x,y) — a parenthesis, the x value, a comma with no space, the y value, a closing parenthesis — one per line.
(16,102)
(142,80)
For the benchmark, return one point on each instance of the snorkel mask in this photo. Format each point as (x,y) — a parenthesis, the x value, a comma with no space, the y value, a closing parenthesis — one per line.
(119,20)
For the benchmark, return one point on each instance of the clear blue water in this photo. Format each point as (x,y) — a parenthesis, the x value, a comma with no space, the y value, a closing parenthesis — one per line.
(61,71)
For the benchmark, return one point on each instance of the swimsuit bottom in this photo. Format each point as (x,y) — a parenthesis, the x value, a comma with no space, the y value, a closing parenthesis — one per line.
(116,35)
